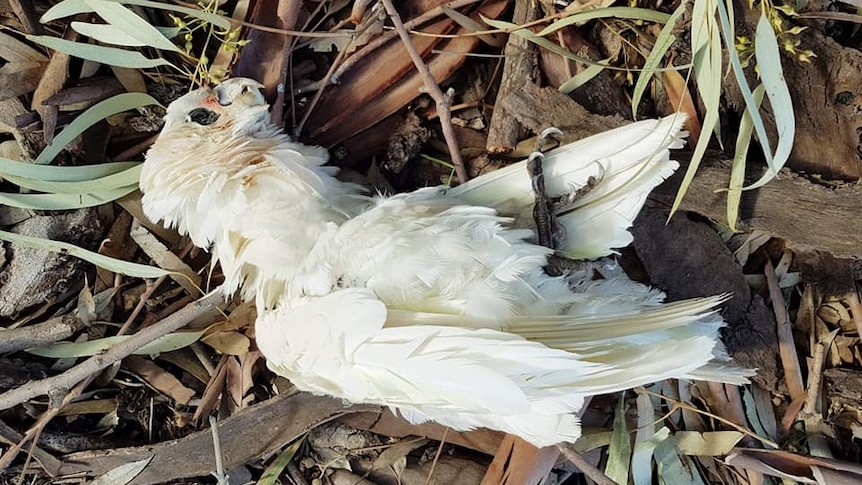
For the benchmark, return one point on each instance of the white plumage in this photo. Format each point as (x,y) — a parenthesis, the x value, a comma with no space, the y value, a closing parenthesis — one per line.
(430,302)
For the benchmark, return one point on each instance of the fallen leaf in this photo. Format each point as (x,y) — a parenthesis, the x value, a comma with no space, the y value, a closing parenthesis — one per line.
(230,343)
(123,474)
(680,98)
(160,379)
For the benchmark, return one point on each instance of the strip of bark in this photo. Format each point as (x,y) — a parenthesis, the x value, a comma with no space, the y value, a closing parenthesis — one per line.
(521,68)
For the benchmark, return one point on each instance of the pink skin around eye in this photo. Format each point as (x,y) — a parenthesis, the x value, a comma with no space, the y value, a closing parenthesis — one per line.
(211,101)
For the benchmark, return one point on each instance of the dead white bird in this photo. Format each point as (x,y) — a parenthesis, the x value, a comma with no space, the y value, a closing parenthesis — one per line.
(431,302)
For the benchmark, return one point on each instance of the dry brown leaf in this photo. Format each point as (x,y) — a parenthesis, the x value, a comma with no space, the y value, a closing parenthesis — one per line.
(241,317)
(186,360)
(116,245)
(397,452)
(160,379)
(680,99)
(364,98)
(248,373)
(131,79)
(51,83)
(15,51)
(791,413)
(213,390)
(234,384)
(24,67)
(239,382)
(19,78)
(520,463)
(230,343)
(166,259)
(92,406)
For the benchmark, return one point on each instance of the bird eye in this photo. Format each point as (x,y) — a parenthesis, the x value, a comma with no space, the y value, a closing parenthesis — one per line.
(244,90)
(202,116)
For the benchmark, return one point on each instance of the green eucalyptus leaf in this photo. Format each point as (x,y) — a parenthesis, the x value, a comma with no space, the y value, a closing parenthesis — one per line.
(112,264)
(107,34)
(64,201)
(28,170)
(583,77)
(133,25)
(97,53)
(737,170)
(99,111)
(66,8)
(73,7)
(99,185)
(662,44)
(166,343)
(706,47)
(772,75)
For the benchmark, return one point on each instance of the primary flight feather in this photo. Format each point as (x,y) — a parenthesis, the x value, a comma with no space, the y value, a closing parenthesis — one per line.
(435,302)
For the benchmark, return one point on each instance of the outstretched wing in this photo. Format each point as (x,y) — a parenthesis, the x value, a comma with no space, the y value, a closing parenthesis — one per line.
(628,162)
(347,344)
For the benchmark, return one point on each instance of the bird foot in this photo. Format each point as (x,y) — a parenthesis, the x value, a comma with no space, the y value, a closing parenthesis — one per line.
(548,231)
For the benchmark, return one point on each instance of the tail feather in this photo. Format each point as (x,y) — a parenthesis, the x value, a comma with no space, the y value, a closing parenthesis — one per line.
(628,161)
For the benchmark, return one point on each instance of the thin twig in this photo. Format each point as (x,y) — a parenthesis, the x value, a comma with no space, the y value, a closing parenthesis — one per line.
(10,436)
(114,354)
(586,467)
(443,101)
(317,95)
(35,430)
(142,301)
(219,473)
(46,333)
(437,456)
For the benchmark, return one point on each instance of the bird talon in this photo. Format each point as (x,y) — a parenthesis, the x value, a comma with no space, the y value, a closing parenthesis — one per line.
(550,134)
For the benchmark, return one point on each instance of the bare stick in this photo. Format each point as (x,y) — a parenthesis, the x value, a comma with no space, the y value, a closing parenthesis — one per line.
(443,101)
(587,468)
(114,354)
(45,333)
(317,95)
(219,474)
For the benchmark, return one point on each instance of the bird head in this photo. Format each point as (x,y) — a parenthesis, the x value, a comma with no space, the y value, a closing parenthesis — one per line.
(236,105)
